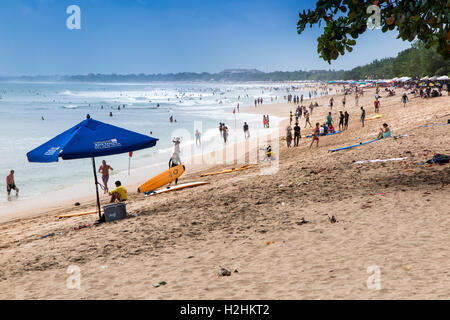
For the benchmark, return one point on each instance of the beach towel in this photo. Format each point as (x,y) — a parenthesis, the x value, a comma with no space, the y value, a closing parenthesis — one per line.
(378,160)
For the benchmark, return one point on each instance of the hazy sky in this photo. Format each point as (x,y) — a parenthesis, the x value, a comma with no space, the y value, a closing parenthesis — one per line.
(162,36)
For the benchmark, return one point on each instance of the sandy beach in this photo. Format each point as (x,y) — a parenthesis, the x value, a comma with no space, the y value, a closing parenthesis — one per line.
(309,231)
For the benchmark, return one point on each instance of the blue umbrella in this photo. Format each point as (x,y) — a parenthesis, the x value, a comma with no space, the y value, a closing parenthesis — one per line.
(90,139)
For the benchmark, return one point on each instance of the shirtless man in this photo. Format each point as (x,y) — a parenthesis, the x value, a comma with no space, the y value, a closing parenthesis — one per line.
(10,184)
(104,169)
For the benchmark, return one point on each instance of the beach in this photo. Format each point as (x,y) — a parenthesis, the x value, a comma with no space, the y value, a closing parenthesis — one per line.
(315,229)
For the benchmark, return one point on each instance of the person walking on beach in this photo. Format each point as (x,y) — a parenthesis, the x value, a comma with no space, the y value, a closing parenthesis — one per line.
(264,121)
(331,103)
(296,134)
(267,121)
(346,117)
(246,132)
(316,134)
(104,169)
(377,105)
(404,99)
(363,116)
(197,138)
(289,136)
(307,119)
(341,120)
(343,102)
(10,183)
(290,117)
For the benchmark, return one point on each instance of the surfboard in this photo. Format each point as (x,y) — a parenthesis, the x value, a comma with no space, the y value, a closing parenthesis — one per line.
(354,146)
(328,134)
(378,116)
(227,171)
(162,179)
(77,214)
(177,187)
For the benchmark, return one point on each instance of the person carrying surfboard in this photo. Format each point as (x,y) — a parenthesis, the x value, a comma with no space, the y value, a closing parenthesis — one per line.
(173,162)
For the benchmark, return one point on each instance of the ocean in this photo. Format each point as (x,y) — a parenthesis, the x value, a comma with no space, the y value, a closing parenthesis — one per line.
(32,113)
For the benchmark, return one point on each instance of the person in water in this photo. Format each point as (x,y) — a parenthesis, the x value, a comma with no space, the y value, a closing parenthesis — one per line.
(119,193)
(10,183)
(104,169)
(385,132)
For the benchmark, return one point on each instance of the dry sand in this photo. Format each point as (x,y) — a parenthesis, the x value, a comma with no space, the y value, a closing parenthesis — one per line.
(393,215)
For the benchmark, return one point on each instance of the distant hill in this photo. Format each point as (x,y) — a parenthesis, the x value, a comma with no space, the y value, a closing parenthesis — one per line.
(416,61)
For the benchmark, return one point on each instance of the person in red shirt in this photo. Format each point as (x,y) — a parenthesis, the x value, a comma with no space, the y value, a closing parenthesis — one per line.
(376,103)
(316,133)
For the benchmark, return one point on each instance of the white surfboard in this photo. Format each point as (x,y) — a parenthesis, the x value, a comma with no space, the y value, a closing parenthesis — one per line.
(177,187)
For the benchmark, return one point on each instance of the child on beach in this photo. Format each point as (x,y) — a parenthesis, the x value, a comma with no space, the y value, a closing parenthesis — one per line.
(10,183)
(316,133)
(376,104)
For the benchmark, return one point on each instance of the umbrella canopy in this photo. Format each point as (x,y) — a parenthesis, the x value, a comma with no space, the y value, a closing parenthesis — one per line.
(443,78)
(90,139)
(425,78)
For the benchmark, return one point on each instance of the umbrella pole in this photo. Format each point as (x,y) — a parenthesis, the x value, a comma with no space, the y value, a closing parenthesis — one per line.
(96,188)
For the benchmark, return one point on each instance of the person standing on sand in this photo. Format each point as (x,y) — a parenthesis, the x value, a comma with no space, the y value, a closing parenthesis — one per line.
(173,162)
(343,102)
(346,117)
(329,119)
(376,104)
(246,132)
(104,169)
(363,116)
(289,136)
(290,117)
(307,119)
(404,99)
(10,183)
(316,133)
(221,129)
(341,120)
(296,134)
(225,133)
(331,103)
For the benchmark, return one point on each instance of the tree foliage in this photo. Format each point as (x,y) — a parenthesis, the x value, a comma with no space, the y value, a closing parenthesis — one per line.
(346,20)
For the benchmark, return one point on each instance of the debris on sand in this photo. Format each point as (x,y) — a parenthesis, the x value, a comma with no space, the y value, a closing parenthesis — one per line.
(224,272)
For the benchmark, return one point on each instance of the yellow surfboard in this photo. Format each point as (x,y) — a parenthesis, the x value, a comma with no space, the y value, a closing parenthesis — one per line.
(162,179)
(227,171)
(77,214)
(378,116)
(177,187)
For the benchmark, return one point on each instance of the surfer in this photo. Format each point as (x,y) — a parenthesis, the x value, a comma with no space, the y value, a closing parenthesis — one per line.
(173,162)
(119,193)
(104,169)
(176,142)
(10,183)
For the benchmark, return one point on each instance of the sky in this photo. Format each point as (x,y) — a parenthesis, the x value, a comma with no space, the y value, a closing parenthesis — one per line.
(169,36)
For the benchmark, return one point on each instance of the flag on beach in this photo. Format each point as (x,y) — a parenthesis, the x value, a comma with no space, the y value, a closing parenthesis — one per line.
(234,111)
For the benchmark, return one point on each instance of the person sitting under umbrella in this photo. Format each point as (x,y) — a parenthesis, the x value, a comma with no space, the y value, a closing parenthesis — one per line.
(119,193)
